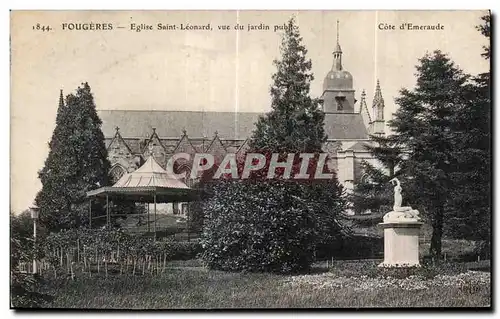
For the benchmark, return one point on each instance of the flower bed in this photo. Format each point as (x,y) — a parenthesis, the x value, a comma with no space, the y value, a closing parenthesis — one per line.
(470,281)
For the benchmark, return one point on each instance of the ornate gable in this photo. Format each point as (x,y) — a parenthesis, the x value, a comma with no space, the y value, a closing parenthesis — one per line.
(119,153)
(184,145)
(240,153)
(155,147)
(216,148)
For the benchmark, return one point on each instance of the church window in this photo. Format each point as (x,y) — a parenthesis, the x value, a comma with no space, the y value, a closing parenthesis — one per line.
(338,99)
(116,173)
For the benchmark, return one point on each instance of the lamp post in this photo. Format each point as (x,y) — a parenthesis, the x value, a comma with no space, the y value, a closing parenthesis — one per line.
(34,215)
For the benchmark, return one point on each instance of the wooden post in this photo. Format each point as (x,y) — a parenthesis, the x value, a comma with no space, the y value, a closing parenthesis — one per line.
(34,247)
(148,218)
(107,210)
(187,222)
(90,213)
(78,250)
(155,214)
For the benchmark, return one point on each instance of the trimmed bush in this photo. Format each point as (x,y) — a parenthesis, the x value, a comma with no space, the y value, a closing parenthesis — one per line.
(265,226)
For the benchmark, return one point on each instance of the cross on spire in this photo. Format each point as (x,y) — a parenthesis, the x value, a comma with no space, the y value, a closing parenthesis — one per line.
(337,53)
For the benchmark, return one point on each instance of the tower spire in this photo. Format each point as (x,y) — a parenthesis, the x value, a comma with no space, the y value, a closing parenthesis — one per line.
(378,111)
(378,103)
(337,54)
(337,31)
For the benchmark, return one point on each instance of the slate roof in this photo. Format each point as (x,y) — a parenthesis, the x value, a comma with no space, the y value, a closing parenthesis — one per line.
(170,124)
(229,125)
(345,126)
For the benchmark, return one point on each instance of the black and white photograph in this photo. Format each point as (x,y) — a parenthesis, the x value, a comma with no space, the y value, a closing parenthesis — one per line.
(250,159)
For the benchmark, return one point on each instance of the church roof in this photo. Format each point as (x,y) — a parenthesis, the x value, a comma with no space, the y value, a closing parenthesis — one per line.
(139,124)
(345,126)
(228,125)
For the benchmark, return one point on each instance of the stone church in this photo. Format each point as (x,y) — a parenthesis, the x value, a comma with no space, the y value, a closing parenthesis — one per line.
(132,135)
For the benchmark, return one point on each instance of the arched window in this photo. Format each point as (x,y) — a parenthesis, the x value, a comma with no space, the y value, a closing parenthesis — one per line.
(116,173)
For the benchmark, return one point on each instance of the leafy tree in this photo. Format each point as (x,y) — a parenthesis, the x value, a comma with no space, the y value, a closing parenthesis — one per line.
(276,225)
(77,162)
(485,30)
(426,125)
(471,203)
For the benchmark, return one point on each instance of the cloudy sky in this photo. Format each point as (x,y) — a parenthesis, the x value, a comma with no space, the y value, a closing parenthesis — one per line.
(204,70)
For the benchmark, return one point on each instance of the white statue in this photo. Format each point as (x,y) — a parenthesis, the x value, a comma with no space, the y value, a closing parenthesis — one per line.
(398,198)
(399,212)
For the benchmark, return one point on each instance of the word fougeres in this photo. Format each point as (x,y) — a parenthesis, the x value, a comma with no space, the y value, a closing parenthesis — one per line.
(228,167)
(91,26)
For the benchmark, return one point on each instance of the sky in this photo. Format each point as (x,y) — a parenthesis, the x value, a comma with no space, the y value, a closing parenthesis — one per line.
(218,70)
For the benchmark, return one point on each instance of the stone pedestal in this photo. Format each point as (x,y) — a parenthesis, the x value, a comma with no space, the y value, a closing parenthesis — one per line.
(401,243)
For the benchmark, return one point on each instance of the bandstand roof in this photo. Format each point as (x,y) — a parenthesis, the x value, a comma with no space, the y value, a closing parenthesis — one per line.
(149,183)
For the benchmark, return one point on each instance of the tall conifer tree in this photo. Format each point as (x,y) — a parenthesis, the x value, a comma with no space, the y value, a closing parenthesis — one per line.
(77,162)
(469,212)
(276,225)
(425,124)
(295,122)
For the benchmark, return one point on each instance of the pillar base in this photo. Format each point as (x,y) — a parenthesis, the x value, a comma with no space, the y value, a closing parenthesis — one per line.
(401,243)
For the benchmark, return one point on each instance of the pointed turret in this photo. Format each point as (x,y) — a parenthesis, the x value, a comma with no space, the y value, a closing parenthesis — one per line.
(378,104)
(378,111)
(365,114)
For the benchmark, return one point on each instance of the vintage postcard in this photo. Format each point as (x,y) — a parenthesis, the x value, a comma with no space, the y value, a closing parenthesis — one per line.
(250,159)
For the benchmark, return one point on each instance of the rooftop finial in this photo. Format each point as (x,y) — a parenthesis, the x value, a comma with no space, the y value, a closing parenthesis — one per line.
(337,31)
(151,149)
(117,129)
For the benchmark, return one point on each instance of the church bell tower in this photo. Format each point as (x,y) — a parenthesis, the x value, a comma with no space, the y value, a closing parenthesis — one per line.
(338,91)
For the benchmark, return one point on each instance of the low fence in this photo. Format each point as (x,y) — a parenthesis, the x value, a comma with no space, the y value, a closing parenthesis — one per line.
(88,251)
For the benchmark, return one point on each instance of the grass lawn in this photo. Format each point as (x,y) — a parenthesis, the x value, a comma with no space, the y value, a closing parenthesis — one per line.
(185,285)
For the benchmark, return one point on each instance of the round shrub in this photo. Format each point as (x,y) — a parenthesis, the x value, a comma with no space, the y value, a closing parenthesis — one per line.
(270,226)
